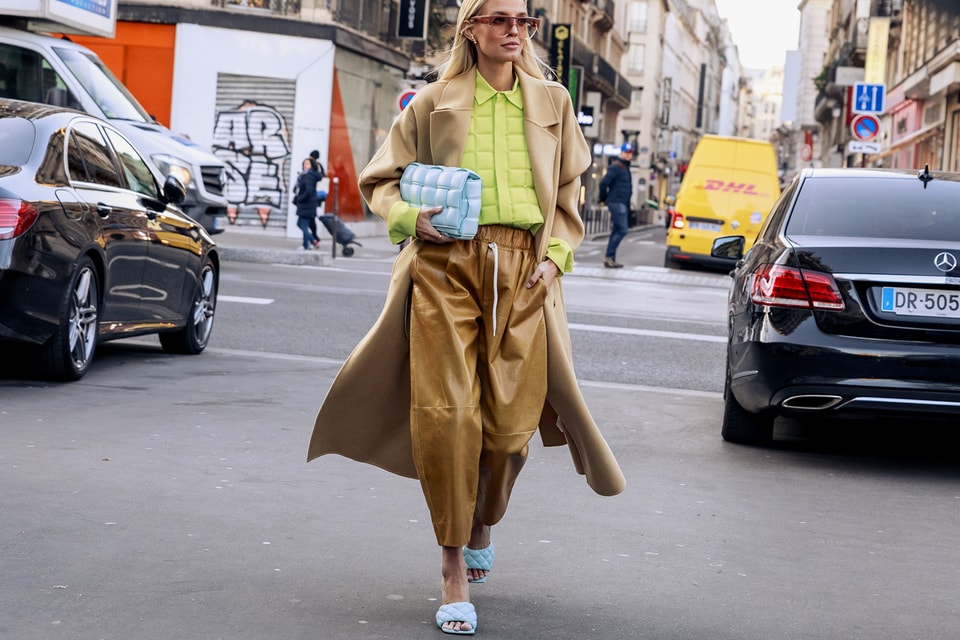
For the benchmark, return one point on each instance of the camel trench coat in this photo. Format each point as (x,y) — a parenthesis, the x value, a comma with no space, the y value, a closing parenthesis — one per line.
(366,413)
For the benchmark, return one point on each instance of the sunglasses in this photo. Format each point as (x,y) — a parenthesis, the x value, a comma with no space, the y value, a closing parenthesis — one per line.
(526,27)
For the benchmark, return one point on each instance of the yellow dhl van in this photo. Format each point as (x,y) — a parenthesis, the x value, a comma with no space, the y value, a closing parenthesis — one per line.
(729,187)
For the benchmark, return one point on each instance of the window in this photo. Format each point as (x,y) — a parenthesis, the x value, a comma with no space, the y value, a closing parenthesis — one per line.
(89,152)
(16,141)
(894,208)
(637,17)
(635,55)
(101,85)
(138,175)
(26,75)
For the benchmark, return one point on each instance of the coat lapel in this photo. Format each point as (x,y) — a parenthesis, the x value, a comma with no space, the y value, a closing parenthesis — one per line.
(452,116)
(541,126)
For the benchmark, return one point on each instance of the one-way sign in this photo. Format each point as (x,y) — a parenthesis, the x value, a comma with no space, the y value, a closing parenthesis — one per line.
(868,98)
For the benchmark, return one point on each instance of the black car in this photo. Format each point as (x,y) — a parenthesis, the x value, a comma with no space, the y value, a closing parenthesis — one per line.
(848,304)
(93,245)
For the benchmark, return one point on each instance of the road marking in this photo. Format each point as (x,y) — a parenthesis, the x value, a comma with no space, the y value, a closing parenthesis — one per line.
(642,387)
(336,363)
(650,333)
(245,300)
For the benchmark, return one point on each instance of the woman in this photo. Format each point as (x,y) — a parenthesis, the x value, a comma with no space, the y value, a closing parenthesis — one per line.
(305,197)
(471,352)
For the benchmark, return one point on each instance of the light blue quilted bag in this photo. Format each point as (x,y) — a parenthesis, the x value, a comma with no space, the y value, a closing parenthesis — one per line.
(455,189)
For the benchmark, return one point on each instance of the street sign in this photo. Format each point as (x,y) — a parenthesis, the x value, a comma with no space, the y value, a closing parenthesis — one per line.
(868,98)
(406,97)
(806,153)
(858,146)
(412,22)
(865,127)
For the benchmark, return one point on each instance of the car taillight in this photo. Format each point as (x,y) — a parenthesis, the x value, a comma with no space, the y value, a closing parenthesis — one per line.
(778,286)
(677,220)
(16,216)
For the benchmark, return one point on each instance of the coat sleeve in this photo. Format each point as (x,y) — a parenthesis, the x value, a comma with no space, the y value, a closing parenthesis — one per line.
(604,188)
(574,160)
(379,181)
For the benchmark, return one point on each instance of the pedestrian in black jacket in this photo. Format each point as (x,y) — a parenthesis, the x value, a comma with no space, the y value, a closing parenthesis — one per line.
(616,190)
(305,197)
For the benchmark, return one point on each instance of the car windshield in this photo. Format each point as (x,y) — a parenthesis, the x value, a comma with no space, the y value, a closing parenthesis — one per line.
(16,141)
(116,102)
(877,208)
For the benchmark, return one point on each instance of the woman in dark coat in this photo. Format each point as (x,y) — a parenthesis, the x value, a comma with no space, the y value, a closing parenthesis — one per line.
(305,197)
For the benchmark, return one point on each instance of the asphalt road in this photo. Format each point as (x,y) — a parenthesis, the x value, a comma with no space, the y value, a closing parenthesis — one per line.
(168,497)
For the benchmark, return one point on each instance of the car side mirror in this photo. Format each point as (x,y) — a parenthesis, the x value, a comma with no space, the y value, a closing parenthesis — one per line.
(174,191)
(730,247)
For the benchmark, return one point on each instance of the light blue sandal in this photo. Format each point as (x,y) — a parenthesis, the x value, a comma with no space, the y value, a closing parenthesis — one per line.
(481,559)
(457,612)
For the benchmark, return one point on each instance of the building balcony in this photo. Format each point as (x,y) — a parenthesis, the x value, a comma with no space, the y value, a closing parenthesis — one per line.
(268,7)
(828,103)
(601,76)
(602,16)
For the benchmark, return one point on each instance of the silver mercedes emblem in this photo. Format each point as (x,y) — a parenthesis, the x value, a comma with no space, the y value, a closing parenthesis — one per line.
(946,262)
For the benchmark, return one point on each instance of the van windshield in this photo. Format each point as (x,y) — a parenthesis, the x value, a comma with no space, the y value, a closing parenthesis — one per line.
(116,102)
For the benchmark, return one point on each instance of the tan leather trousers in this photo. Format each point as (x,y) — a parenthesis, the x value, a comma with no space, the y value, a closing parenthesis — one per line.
(478,358)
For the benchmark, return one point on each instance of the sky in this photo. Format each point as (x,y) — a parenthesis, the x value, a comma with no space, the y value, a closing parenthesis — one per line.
(763,30)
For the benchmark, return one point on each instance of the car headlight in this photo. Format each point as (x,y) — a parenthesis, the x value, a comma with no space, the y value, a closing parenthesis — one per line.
(173,166)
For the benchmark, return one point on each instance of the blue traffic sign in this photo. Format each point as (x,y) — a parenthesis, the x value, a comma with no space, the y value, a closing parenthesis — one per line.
(868,98)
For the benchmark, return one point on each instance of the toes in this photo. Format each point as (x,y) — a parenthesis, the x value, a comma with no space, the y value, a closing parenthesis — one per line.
(457,625)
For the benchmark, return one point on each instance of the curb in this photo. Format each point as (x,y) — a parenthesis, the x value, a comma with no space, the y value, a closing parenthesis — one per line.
(275,256)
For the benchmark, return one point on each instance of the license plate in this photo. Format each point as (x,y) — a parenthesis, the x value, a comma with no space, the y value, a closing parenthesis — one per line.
(935,303)
(706,226)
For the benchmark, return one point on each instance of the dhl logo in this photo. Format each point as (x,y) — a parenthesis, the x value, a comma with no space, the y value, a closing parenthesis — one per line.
(732,187)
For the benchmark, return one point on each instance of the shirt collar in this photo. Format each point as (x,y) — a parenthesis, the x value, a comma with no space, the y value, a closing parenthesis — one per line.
(485,92)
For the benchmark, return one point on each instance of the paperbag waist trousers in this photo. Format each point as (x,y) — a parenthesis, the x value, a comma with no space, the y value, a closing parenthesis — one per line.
(478,369)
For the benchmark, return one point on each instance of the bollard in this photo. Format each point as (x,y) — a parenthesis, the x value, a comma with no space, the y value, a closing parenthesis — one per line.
(336,217)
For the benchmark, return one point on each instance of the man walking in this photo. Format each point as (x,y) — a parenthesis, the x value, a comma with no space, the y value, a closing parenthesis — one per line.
(616,190)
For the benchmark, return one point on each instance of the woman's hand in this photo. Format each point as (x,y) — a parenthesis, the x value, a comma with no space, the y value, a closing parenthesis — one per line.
(426,230)
(546,271)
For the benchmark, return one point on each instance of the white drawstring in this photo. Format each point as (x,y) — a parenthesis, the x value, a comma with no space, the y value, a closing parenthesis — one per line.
(496,288)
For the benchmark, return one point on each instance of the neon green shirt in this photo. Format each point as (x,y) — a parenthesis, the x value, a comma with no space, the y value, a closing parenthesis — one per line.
(496,149)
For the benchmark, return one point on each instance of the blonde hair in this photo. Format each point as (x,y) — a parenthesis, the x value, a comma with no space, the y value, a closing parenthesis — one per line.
(463,52)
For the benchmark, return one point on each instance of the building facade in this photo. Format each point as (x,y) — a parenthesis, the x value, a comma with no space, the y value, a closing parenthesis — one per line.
(264,82)
(680,53)
(912,49)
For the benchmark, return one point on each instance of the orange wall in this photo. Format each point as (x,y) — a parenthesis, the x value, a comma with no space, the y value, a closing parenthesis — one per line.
(340,159)
(141,55)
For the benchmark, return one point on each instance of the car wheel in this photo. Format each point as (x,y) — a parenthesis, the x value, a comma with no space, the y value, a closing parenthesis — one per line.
(68,352)
(742,426)
(194,336)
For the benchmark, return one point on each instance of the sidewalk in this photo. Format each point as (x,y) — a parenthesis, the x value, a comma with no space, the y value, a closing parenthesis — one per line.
(255,244)
(272,246)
